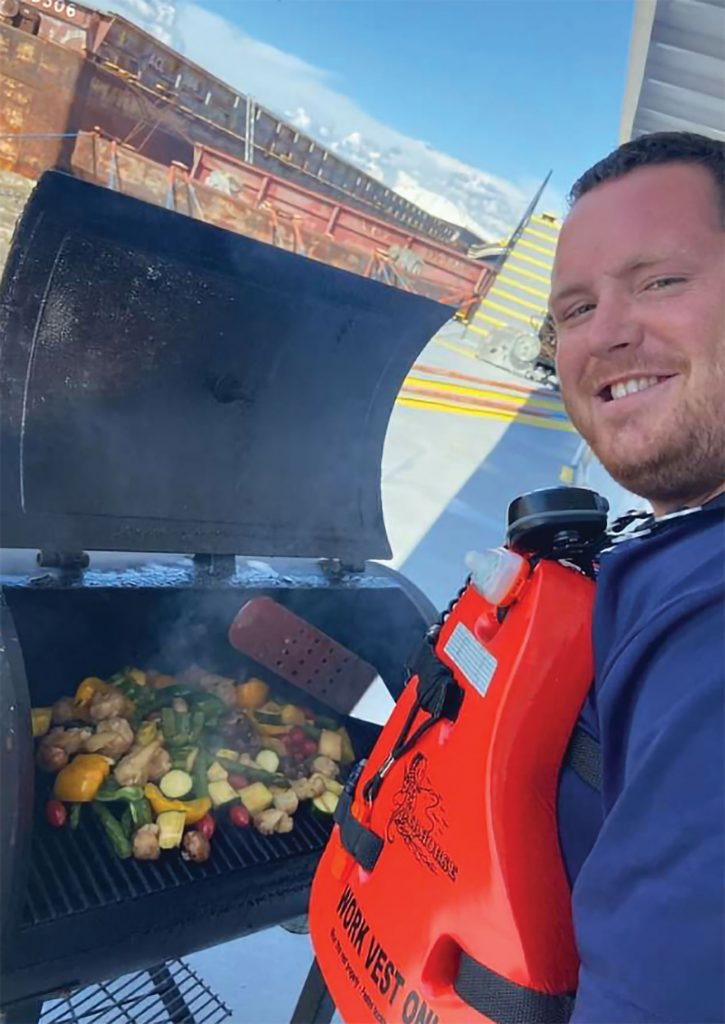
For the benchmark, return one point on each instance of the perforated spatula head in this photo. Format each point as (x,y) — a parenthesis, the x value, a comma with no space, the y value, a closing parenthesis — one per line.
(301,654)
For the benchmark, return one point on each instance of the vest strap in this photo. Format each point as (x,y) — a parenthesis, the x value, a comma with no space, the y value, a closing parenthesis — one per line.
(584,756)
(360,842)
(505,1002)
(437,693)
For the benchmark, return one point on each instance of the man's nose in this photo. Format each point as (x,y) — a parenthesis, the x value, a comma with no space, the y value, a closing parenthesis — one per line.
(612,326)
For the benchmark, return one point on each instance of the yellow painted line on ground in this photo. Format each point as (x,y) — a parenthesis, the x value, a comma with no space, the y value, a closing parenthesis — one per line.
(489,304)
(513,417)
(489,319)
(516,255)
(479,330)
(515,399)
(519,302)
(535,247)
(460,349)
(507,279)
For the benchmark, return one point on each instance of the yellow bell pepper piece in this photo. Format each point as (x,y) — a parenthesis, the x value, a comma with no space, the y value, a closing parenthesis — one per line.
(138,675)
(252,694)
(160,804)
(89,688)
(41,721)
(268,730)
(146,734)
(80,780)
(292,715)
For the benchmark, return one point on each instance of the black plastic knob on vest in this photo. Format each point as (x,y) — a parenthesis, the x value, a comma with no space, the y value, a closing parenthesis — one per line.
(537,518)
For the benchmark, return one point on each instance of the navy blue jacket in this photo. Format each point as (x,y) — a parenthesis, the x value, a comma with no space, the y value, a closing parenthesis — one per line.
(647,856)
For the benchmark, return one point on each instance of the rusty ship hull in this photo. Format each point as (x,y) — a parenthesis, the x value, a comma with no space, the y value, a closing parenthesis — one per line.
(66,68)
(241,197)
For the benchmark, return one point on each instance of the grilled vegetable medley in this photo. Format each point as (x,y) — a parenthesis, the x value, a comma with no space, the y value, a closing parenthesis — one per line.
(160,758)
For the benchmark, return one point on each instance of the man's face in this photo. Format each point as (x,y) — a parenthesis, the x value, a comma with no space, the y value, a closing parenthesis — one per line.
(638,298)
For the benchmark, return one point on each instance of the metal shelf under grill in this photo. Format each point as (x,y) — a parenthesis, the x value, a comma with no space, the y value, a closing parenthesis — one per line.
(170,992)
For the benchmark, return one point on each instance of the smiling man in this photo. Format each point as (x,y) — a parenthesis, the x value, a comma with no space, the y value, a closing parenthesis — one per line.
(638,299)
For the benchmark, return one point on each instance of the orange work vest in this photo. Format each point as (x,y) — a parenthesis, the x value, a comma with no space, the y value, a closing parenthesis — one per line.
(442,894)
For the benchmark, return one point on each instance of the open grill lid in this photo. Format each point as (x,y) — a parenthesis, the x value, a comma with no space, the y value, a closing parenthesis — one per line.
(171,386)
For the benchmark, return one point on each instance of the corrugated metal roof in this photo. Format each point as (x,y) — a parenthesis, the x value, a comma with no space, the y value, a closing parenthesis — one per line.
(676,79)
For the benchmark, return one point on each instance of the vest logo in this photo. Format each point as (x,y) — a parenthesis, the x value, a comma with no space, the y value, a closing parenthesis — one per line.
(418,818)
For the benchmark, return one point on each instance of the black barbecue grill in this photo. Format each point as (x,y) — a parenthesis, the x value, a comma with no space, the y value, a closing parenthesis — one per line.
(168,386)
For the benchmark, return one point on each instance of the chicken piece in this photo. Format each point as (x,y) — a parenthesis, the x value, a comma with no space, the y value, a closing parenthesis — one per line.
(286,800)
(66,710)
(58,746)
(107,705)
(195,846)
(51,759)
(308,789)
(325,766)
(113,737)
(286,824)
(69,740)
(221,686)
(318,783)
(273,820)
(160,764)
(146,843)
(135,768)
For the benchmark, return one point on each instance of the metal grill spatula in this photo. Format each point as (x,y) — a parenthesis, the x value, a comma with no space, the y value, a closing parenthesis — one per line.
(302,655)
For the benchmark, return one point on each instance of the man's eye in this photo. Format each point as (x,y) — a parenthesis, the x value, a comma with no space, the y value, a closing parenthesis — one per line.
(579,311)
(663,282)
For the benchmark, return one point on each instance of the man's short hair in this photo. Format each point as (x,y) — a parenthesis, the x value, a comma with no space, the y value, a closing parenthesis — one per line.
(658,148)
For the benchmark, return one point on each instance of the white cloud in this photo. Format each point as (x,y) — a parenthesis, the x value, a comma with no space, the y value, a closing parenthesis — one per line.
(299,118)
(306,95)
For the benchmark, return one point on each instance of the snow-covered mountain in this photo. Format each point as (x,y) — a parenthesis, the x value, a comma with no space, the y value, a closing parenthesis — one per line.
(305,95)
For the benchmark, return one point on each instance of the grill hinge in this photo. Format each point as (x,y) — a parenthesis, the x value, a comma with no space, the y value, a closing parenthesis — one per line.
(69,561)
(216,565)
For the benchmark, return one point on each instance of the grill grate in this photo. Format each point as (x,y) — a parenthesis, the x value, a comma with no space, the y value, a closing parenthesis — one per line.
(73,872)
(167,993)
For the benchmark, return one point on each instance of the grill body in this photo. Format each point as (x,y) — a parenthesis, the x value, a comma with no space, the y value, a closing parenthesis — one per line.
(81,915)
(168,386)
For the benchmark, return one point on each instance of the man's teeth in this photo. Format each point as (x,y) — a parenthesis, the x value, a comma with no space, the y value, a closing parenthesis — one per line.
(628,387)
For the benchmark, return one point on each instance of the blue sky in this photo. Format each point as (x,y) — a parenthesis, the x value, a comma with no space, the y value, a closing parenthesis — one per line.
(512,87)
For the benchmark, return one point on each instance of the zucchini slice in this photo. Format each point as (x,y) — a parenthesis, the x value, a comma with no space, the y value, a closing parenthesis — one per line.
(324,806)
(268,760)
(269,714)
(176,784)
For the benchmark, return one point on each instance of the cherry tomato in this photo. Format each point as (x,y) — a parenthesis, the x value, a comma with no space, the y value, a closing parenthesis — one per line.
(297,736)
(207,826)
(55,813)
(239,816)
(238,781)
(309,747)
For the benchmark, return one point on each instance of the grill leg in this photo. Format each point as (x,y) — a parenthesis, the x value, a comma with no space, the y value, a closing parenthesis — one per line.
(314,1005)
(168,992)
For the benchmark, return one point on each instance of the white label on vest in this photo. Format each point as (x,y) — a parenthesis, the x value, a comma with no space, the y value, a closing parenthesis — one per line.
(471,658)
